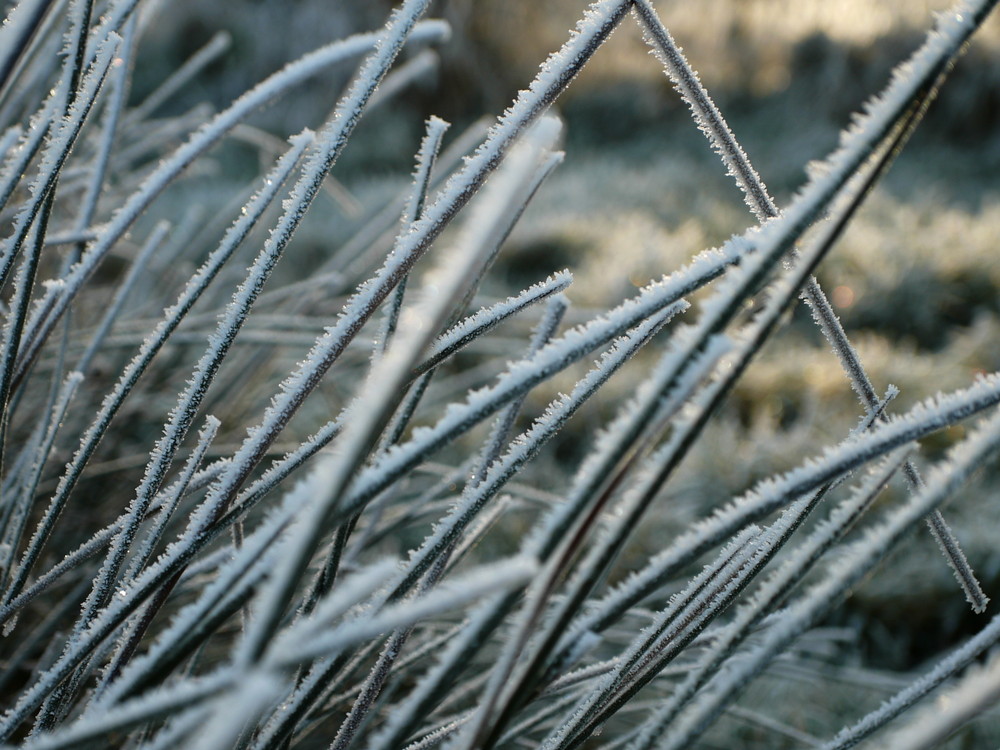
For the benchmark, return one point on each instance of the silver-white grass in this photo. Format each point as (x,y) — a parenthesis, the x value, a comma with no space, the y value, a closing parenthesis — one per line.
(242,570)
(976,692)
(49,308)
(775,493)
(624,663)
(842,573)
(704,111)
(435,129)
(526,446)
(518,378)
(119,84)
(388,374)
(291,647)
(768,594)
(17,514)
(958,659)
(375,601)
(151,345)
(20,155)
(54,154)
(550,536)
(175,492)
(255,694)
(487,318)
(712,124)
(153,705)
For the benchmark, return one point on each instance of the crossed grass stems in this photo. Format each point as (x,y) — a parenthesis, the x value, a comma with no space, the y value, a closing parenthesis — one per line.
(313,618)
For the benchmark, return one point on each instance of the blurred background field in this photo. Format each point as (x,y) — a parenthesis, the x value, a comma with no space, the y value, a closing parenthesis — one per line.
(915,278)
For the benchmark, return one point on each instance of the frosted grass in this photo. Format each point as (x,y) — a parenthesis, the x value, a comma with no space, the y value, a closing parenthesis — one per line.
(150,347)
(50,307)
(428,581)
(848,569)
(712,124)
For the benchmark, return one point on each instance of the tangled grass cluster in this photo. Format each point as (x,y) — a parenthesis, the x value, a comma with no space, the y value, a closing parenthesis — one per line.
(212,540)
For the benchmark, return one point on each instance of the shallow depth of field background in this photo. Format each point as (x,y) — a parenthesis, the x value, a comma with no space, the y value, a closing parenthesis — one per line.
(915,278)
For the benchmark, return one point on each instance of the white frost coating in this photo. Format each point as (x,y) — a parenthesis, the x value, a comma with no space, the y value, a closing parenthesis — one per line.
(774,238)
(524,447)
(131,594)
(958,659)
(101,538)
(426,159)
(655,403)
(550,536)
(703,268)
(715,128)
(61,140)
(51,306)
(62,137)
(176,732)
(436,737)
(486,318)
(116,15)
(25,494)
(180,417)
(857,559)
(281,468)
(691,599)
(706,115)
(116,100)
(681,362)
(254,560)
(174,697)
(771,591)
(430,144)
(774,493)
(782,292)
(17,26)
(679,372)
(410,711)
(315,679)
(175,492)
(671,631)
(300,643)
(554,528)
(518,378)
(373,578)
(443,287)
(237,708)
(17,157)
(543,332)
(658,397)
(297,386)
(556,72)
(872,415)
(560,353)
(858,141)
(975,693)
(152,344)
